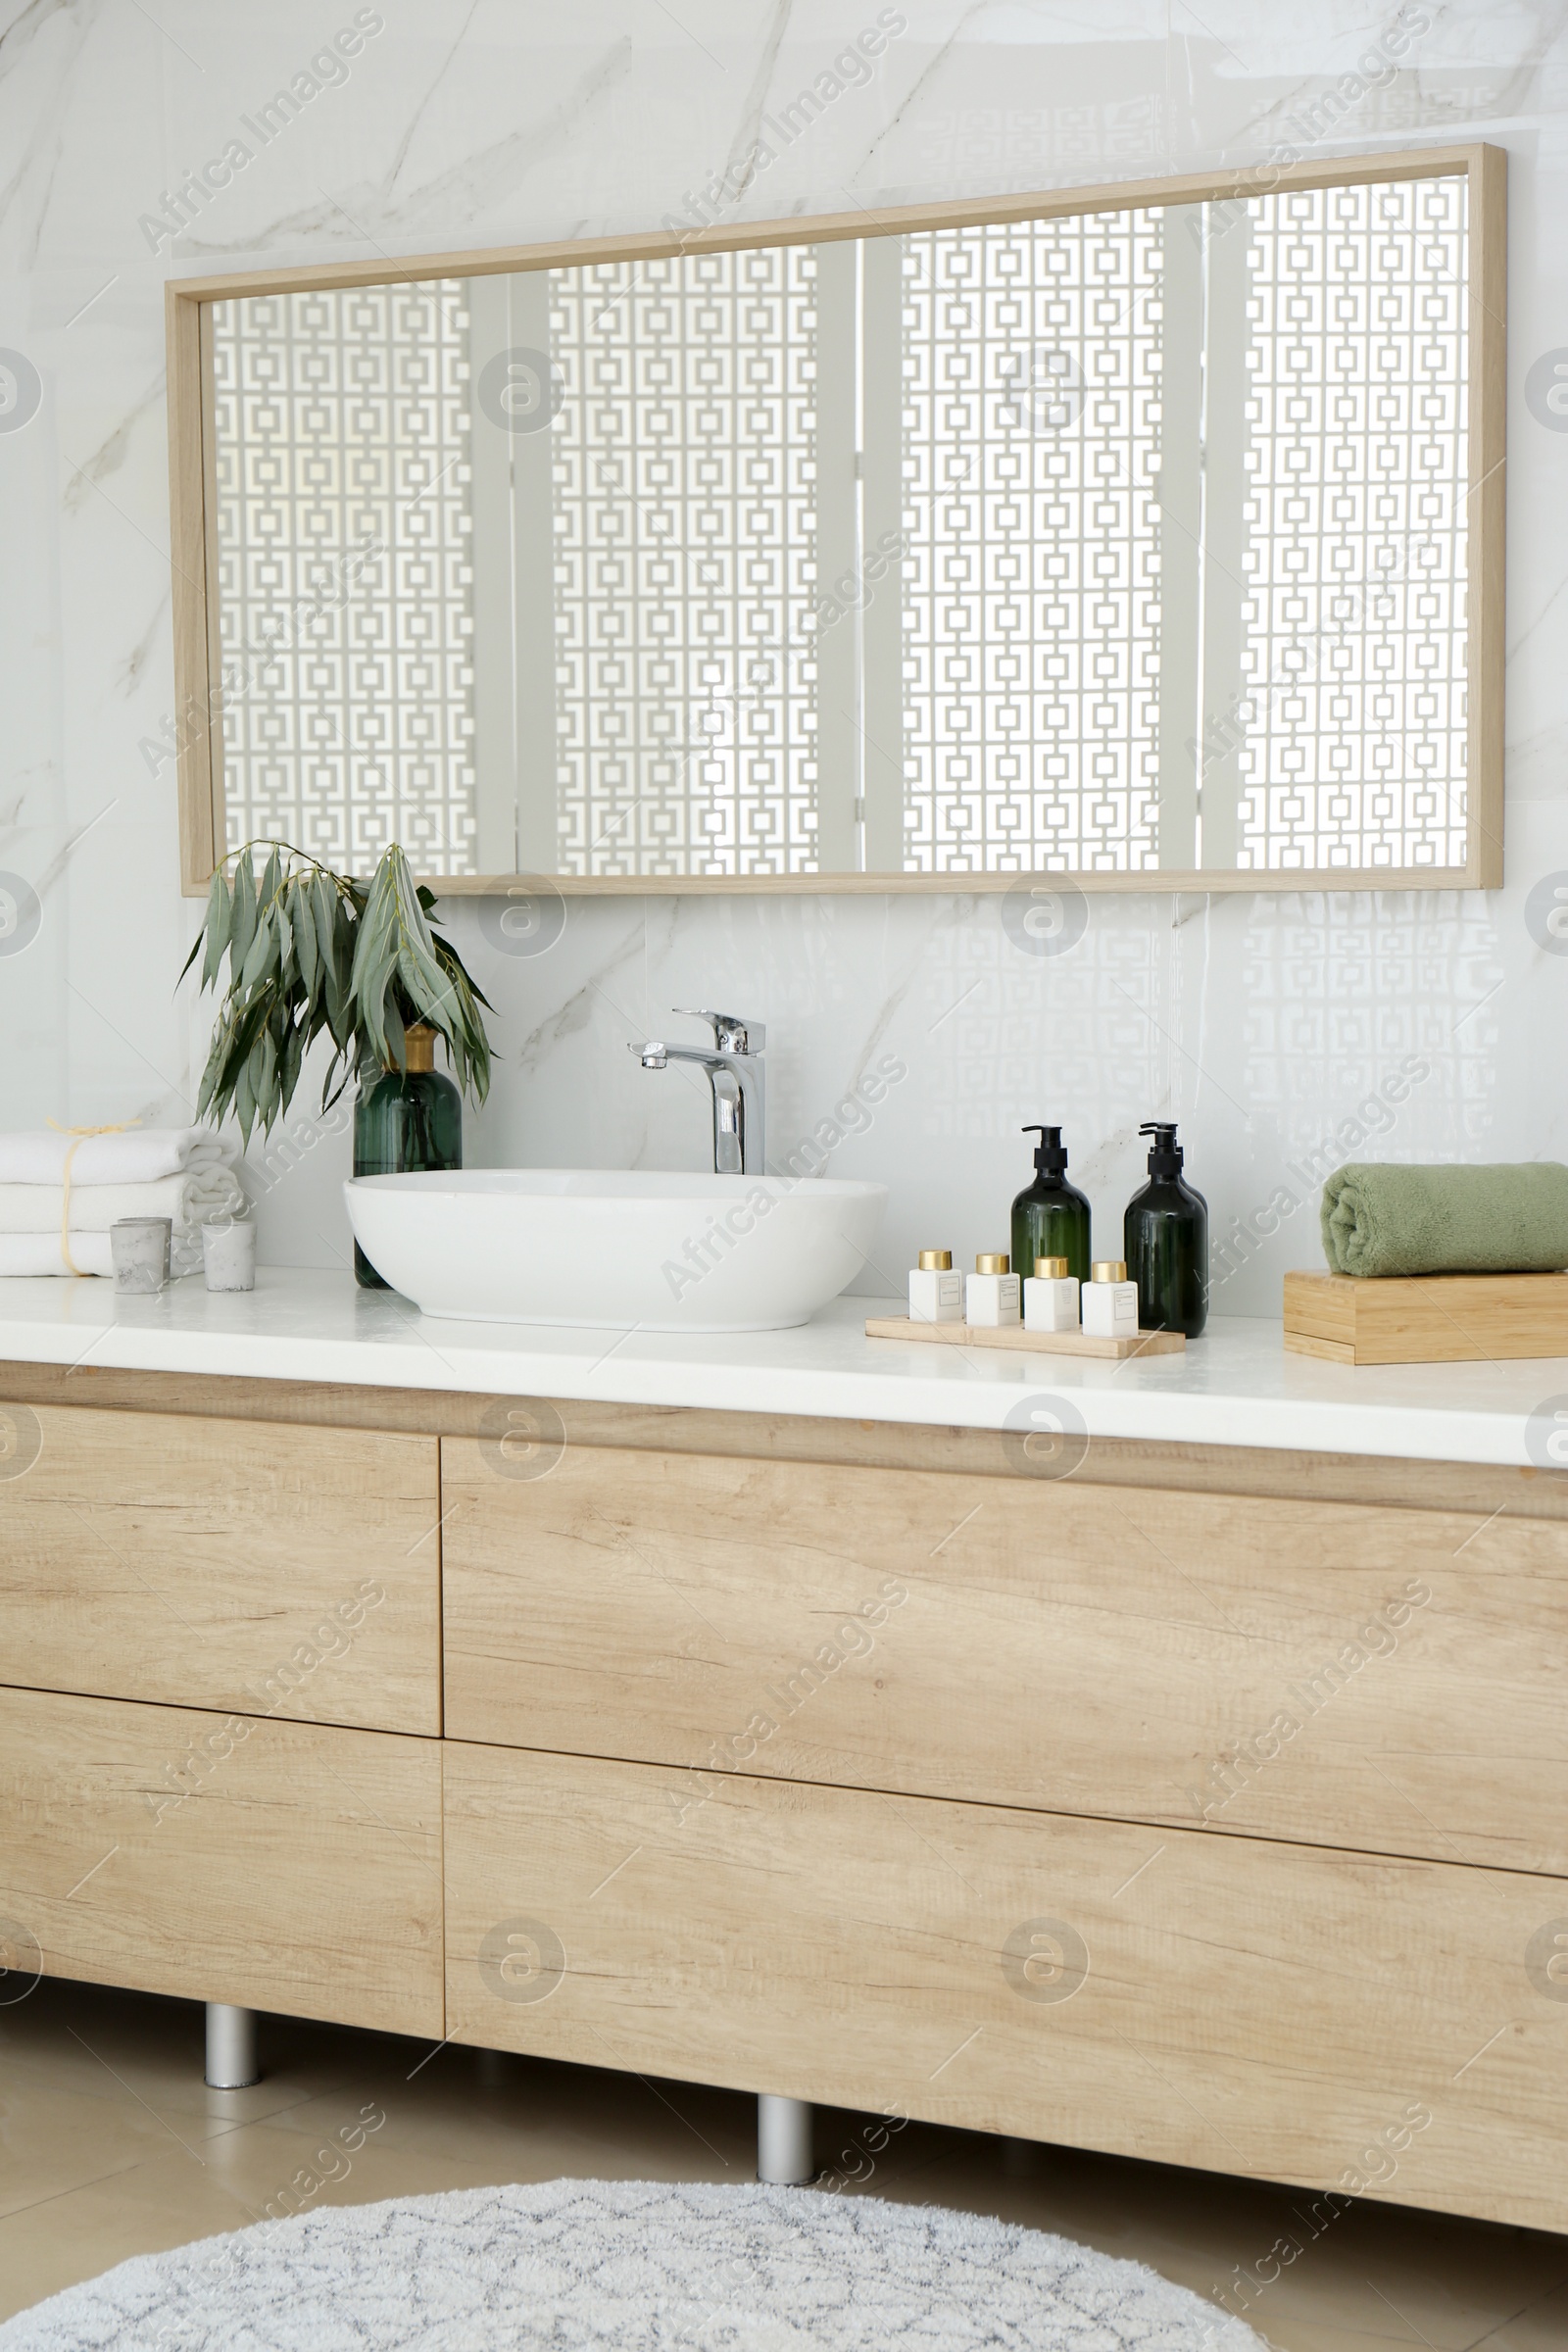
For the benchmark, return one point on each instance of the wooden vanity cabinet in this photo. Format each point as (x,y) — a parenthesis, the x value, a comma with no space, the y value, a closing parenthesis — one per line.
(275,1865)
(1231,2003)
(1207,1807)
(223,1563)
(1342,1674)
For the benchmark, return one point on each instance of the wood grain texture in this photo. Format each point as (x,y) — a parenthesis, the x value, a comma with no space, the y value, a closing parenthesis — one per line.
(212,743)
(188,580)
(1258,1666)
(1016,1337)
(1486,509)
(1524,1492)
(1426,1319)
(302,1871)
(226,1564)
(1163,879)
(1486,167)
(1241,2006)
(888,221)
(1327,1351)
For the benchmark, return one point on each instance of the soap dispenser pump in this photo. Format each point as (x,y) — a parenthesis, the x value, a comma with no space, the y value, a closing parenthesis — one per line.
(1050,1216)
(1166,1241)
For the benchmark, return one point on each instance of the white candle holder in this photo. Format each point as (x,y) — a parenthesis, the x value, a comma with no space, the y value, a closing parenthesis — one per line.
(229,1254)
(140,1248)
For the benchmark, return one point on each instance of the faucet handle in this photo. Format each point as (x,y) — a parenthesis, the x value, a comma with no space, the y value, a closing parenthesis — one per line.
(733,1032)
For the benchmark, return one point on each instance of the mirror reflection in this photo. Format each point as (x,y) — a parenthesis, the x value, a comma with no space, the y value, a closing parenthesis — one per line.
(1132,542)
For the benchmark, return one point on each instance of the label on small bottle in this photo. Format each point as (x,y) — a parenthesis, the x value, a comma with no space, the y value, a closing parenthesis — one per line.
(1110,1309)
(1050,1305)
(934,1296)
(991,1300)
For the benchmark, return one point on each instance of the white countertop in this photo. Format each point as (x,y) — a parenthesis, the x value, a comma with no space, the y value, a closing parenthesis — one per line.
(1234,1387)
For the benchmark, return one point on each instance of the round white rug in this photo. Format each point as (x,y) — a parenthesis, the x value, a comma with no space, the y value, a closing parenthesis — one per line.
(641,2266)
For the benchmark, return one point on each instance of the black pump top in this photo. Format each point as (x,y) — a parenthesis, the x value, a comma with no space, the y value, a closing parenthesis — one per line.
(1050,1157)
(1165,1153)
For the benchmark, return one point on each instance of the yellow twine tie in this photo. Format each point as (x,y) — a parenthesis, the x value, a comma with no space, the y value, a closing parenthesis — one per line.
(81,1134)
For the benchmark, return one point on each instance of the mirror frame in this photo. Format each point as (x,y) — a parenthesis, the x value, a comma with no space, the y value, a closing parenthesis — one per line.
(192,551)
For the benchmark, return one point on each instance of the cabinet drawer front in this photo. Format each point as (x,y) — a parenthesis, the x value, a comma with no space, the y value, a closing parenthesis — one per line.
(1383,1679)
(275,1865)
(234,1564)
(1222,2002)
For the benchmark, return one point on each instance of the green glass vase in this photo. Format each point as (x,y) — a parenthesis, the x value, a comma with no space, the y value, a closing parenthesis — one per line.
(405,1120)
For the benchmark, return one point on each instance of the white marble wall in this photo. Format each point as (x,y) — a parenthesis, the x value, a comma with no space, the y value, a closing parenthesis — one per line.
(1261,1023)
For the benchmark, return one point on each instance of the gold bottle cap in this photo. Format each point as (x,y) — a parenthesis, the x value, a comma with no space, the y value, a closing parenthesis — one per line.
(1108,1269)
(935,1262)
(419,1047)
(1051,1269)
(990,1262)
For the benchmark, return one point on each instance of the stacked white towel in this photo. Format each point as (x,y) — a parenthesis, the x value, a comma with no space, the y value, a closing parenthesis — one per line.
(132,1156)
(31,1254)
(184,1173)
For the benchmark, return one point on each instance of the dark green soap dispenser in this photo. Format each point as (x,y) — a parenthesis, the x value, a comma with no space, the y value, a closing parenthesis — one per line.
(1050,1216)
(1165,1241)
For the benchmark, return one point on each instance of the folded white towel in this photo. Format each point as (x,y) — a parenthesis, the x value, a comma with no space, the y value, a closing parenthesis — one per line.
(191,1199)
(139,1155)
(29,1253)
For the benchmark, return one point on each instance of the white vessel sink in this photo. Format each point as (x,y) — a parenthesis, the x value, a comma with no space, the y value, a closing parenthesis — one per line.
(611,1251)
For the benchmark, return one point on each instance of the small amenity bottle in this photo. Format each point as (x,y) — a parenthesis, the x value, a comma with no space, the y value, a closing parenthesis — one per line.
(1165,1235)
(1051,1296)
(1111,1302)
(936,1292)
(991,1294)
(1050,1216)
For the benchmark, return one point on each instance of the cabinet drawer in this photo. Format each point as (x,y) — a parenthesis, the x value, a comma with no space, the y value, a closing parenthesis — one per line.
(301,1871)
(1384,1679)
(1229,2003)
(234,1564)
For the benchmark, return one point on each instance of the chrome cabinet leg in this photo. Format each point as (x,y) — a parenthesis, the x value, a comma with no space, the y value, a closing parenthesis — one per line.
(230,2047)
(784,2140)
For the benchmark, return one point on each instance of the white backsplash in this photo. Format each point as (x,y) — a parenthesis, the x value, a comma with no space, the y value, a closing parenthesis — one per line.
(1264,1025)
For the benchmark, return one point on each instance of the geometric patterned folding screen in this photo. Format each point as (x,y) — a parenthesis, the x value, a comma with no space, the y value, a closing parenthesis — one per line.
(1178,499)
(1031,442)
(1354,723)
(685,510)
(344,578)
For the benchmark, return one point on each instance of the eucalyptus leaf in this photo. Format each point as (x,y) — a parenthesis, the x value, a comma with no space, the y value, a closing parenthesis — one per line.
(287,962)
(324,903)
(396,1037)
(264,951)
(242,920)
(244,1102)
(213,930)
(219,923)
(264,1082)
(293,1057)
(302,923)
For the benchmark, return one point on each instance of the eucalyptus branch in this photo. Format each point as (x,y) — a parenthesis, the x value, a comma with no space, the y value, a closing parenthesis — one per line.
(312,951)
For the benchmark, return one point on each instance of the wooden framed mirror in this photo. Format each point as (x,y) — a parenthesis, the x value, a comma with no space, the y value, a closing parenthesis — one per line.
(1148,536)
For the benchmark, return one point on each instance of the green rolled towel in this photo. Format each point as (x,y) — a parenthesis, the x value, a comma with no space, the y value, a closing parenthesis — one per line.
(1446,1220)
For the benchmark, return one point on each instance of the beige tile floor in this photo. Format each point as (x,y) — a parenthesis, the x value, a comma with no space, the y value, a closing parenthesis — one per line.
(111,2145)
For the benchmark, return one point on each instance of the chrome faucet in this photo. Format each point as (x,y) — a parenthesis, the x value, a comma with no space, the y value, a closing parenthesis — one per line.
(734,1066)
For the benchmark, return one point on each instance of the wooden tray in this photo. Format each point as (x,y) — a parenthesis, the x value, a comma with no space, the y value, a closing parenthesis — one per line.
(1026,1343)
(1426,1318)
